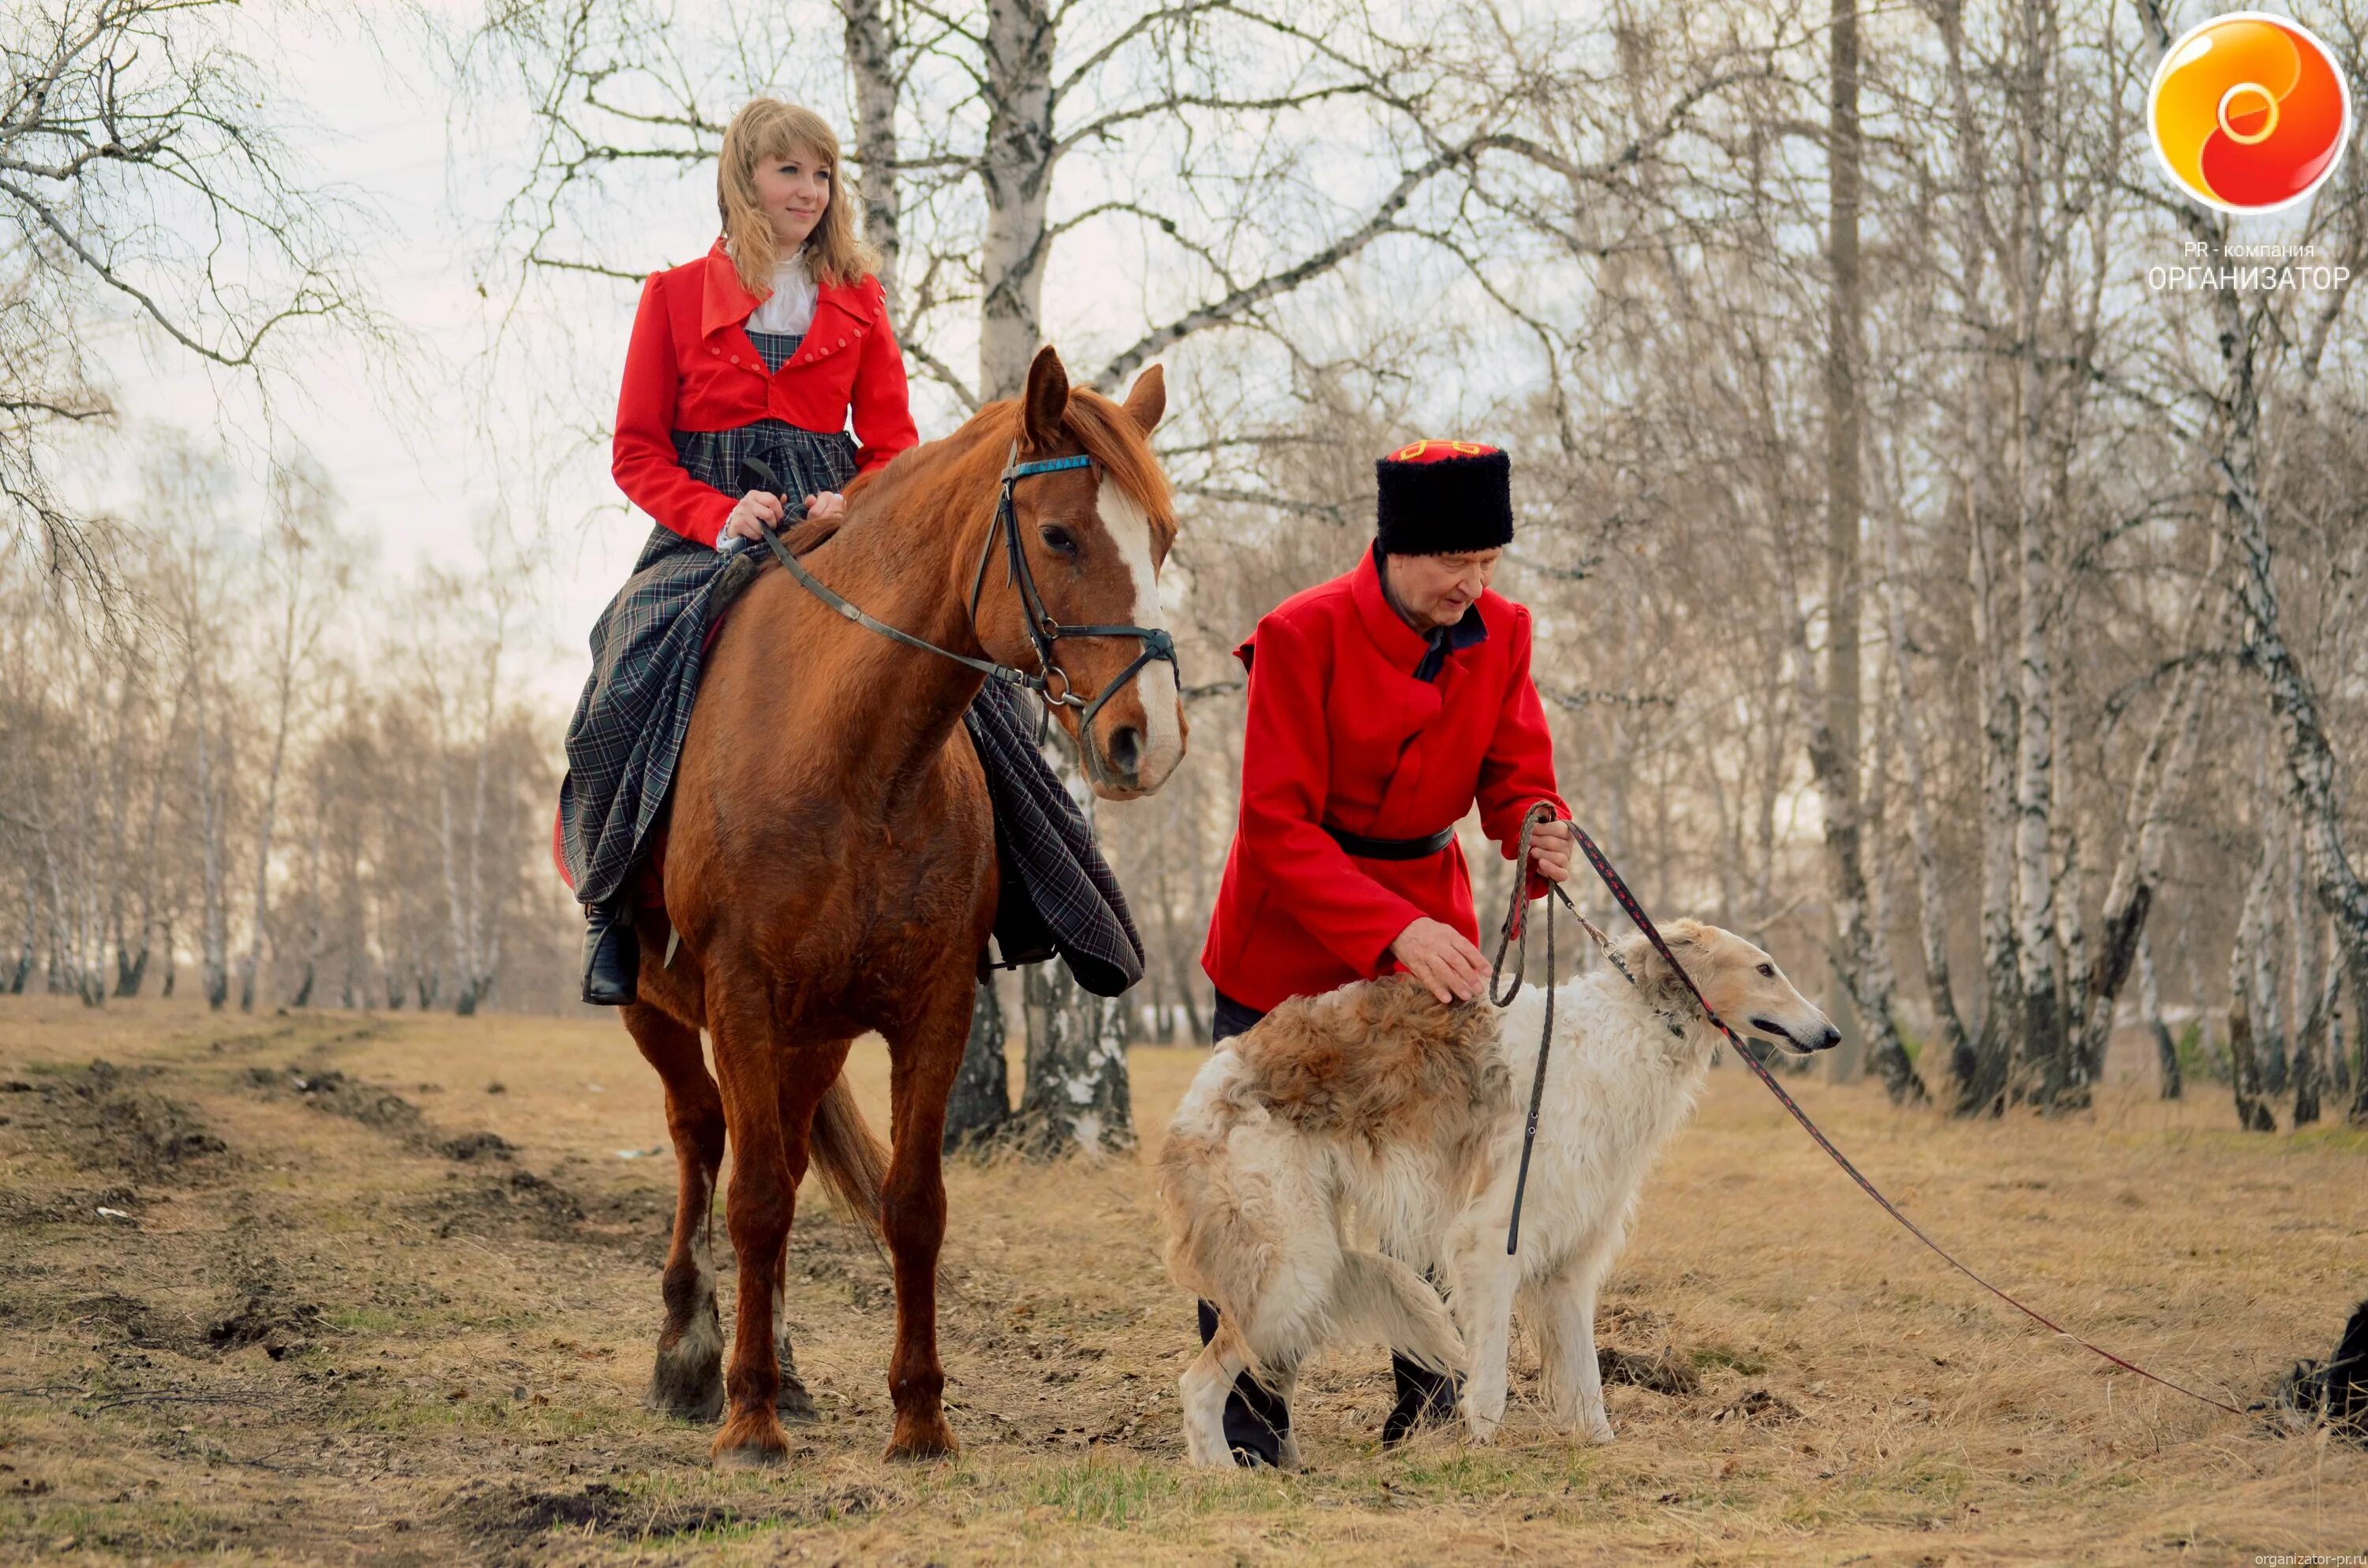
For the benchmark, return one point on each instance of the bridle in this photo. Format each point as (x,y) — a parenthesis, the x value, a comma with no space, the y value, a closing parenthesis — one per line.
(1043,631)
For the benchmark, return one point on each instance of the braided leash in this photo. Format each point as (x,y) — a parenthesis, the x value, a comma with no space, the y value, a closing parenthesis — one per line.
(1517,927)
(1644,922)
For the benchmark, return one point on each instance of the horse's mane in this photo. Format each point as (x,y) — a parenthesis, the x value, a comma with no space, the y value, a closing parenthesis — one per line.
(1104,428)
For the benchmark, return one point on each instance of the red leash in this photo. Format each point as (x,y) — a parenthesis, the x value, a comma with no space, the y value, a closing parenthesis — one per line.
(1635,912)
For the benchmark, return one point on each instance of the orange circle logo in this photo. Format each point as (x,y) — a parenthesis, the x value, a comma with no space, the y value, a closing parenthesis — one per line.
(2248,112)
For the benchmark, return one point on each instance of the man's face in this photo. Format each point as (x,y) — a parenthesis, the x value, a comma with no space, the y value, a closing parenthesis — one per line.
(1437,589)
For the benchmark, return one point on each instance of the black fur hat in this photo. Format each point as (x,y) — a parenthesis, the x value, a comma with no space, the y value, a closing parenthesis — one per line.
(1437,497)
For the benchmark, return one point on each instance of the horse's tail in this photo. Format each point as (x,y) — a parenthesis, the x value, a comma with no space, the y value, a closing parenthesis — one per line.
(853,1163)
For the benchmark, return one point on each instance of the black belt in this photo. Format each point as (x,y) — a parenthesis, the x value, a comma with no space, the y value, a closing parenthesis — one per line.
(1365,848)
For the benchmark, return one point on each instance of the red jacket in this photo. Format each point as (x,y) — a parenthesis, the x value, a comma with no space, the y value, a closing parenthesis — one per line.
(690,366)
(1341,731)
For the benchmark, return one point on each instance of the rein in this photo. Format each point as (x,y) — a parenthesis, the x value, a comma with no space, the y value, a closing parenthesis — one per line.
(1044,630)
(1514,925)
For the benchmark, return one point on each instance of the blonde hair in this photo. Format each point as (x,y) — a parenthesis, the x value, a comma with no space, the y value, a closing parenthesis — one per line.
(767,127)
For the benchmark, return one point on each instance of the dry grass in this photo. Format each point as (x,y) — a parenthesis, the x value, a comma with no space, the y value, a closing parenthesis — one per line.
(334,1338)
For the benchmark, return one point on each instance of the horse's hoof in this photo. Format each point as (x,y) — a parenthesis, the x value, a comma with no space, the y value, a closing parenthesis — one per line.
(752,1440)
(793,1403)
(687,1379)
(686,1393)
(922,1439)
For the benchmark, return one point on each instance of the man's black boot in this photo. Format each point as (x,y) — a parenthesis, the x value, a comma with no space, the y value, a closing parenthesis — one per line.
(1258,1422)
(1424,1398)
(613,956)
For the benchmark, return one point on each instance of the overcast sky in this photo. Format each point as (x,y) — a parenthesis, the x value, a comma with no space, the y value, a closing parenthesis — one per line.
(400,431)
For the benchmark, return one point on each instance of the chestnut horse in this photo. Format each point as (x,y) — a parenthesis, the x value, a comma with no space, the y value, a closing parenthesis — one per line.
(831,861)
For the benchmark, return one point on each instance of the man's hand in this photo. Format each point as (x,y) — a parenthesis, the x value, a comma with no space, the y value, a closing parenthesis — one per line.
(828,503)
(1550,850)
(1440,957)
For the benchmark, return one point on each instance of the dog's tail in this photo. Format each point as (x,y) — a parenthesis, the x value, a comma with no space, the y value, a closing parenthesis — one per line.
(1376,1297)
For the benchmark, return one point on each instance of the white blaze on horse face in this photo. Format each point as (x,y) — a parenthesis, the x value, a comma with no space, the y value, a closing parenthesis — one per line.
(1130,528)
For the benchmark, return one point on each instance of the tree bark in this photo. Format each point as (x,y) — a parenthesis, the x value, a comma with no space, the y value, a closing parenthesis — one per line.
(214,936)
(2137,869)
(1953,1049)
(871,62)
(130,976)
(1983,1091)
(2245,1074)
(26,947)
(2041,1064)
(1076,1098)
(979,1110)
(1017,178)
(284,703)
(1835,752)
(2166,1049)
(2304,1003)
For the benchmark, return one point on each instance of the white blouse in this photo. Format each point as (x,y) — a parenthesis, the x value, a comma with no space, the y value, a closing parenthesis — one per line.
(791,307)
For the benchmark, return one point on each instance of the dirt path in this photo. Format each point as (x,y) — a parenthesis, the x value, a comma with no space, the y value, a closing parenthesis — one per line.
(340,1288)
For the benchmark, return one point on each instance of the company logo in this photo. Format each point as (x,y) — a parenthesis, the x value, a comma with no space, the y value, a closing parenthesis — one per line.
(2248,112)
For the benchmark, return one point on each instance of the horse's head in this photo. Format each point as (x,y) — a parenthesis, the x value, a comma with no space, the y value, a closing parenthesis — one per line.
(1095,538)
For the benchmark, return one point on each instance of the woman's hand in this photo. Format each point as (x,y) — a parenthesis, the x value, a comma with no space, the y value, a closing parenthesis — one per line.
(757,507)
(1550,847)
(1437,955)
(829,504)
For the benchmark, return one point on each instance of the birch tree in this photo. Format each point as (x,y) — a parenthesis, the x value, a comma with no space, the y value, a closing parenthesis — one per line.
(141,180)
(302,573)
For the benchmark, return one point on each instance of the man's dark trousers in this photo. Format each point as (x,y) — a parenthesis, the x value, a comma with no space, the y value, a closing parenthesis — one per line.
(1255,1418)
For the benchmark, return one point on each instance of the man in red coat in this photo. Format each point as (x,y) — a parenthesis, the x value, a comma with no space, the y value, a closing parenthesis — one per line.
(1383,705)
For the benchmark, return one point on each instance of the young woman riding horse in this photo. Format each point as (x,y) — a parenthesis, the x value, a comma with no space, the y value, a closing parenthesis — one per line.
(762,348)
(831,862)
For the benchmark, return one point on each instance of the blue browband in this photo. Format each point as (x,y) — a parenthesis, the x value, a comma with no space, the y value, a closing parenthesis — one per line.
(1050,465)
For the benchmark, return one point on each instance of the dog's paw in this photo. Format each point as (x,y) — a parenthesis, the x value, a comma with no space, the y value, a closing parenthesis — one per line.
(1600,1433)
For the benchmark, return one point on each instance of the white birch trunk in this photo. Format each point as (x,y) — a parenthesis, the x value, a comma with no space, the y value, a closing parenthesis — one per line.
(1953,1050)
(2166,1049)
(2137,869)
(2042,1055)
(2040,1060)
(2244,1068)
(132,973)
(1076,1098)
(871,64)
(214,936)
(2306,754)
(29,943)
(284,703)
(1018,180)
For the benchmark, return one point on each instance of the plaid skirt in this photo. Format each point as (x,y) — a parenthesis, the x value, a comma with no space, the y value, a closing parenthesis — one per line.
(647,649)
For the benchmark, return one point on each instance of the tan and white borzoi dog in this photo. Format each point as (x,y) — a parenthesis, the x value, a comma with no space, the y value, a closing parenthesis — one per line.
(1377,1098)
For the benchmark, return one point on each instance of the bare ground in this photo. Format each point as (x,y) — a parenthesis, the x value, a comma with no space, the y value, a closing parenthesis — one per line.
(352,1290)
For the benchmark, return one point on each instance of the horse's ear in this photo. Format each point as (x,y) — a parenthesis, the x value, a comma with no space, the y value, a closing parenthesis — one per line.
(1147,399)
(1045,403)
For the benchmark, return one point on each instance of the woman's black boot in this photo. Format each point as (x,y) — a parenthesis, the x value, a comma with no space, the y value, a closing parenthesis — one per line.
(613,956)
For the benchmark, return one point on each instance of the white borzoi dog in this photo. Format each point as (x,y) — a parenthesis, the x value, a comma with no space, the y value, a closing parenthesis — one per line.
(1377,1098)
